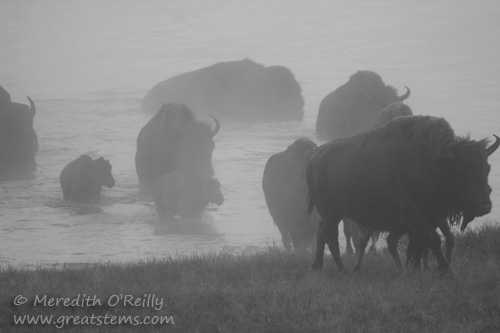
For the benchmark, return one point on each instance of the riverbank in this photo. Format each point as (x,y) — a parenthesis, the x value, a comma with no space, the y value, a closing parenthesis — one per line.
(270,291)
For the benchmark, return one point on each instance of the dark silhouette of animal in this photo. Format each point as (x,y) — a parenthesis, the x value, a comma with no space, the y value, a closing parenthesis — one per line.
(407,177)
(83,178)
(352,233)
(241,89)
(354,107)
(18,139)
(185,194)
(174,140)
(415,251)
(285,190)
(351,229)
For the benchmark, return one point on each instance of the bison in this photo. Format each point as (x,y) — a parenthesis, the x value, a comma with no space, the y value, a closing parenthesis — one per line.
(351,229)
(83,178)
(285,190)
(185,194)
(18,139)
(406,177)
(415,252)
(243,90)
(353,107)
(174,140)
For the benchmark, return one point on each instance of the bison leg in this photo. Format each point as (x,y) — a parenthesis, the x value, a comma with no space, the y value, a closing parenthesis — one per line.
(392,244)
(320,246)
(333,244)
(297,240)
(450,239)
(425,258)
(429,237)
(415,252)
(349,234)
(375,237)
(285,236)
(362,241)
(328,233)
(435,246)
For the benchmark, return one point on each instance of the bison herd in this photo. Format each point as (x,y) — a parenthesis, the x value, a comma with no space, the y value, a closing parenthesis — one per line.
(384,170)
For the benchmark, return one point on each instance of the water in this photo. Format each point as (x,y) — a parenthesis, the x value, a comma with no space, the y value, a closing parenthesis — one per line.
(88,64)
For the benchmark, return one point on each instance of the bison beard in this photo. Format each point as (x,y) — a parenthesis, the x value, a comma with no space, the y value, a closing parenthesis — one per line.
(405,177)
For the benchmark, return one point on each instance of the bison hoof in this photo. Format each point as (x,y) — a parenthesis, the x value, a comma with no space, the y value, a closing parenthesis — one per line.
(316,266)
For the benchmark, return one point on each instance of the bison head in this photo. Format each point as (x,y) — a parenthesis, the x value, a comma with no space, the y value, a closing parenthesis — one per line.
(190,142)
(211,190)
(102,169)
(299,152)
(353,107)
(467,160)
(373,91)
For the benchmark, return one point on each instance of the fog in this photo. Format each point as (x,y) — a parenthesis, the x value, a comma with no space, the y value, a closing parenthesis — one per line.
(88,64)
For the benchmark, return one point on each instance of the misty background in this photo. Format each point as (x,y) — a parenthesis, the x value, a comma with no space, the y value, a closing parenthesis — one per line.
(88,64)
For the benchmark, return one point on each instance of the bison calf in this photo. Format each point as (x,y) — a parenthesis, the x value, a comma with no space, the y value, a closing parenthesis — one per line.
(185,194)
(82,179)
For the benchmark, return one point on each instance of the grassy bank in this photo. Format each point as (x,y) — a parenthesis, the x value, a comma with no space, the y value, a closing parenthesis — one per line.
(271,291)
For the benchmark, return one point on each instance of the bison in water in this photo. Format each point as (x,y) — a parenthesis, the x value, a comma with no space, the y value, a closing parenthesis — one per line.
(285,190)
(82,179)
(185,194)
(406,177)
(174,140)
(354,107)
(18,139)
(241,89)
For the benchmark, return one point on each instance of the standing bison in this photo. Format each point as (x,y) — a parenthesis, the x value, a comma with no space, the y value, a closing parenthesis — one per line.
(406,177)
(285,190)
(18,139)
(174,140)
(354,107)
(351,229)
(241,89)
(82,179)
(185,194)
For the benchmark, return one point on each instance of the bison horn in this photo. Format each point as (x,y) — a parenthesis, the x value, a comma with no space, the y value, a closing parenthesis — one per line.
(32,106)
(491,149)
(217,126)
(405,96)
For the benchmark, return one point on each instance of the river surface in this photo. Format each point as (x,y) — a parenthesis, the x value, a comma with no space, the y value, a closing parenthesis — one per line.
(87,65)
